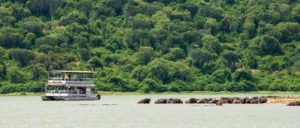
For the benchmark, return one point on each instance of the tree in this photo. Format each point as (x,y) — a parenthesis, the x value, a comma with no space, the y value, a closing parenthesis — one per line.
(45,7)
(29,40)
(51,40)
(226,24)
(271,64)
(38,72)
(212,11)
(153,85)
(85,54)
(249,60)
(11,38)
(95,62)
(32,24)
(6,17)
(242,75)
(8,89)
(200,57)
(191,7)
(178,15)
(175,54)
(243,85)
(211,43)
(85,6)
(22,56)
(265,45)
(19,12)
(137,38)
(180,71)
(54,61)
(286,31)
(192,38)
(296,13)
(117,5)
(3,70)
(221,76)
(212,25)
(15,76)
(133,8)
(159,70)
(140,73)
(74,17)
(102,11)
(231,59)
(145,55)
(141,22)
(121,84)
(249,28)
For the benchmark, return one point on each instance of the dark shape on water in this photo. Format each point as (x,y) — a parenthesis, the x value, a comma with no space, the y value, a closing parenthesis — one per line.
(213,101)
(191,101)
(144,101)
(202,101)
(161,101)
(174,101)
(169,101)
(219,103)
(222,100)
(99,97)
(296,103)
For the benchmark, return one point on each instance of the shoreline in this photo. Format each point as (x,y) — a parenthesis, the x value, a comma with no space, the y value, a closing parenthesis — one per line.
(171,93)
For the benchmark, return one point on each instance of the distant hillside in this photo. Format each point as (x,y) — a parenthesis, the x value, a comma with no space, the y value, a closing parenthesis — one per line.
(152,45)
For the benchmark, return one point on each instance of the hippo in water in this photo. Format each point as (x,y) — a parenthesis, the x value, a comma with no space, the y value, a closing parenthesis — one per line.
(144,101)
(297,103)
(219,103)
(262,100)
(213,101)
(203,101)
(161,101)
(174,101)
(191,101)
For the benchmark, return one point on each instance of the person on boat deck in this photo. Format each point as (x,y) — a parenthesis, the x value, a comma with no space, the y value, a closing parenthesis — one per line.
(69,77)
(80,77)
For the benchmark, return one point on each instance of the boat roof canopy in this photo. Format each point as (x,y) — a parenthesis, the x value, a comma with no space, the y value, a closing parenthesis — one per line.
(69,72)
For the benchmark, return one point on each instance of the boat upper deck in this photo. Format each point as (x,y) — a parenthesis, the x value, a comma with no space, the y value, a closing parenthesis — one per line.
(69,72)
(70,78)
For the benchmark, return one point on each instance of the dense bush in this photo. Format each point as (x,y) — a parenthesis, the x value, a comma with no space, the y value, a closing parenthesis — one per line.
(152,45)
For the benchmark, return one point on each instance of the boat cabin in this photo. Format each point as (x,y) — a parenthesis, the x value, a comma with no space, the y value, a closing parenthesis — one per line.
(70,83)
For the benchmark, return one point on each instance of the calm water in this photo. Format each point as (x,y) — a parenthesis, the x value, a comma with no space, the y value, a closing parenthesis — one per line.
(123,112)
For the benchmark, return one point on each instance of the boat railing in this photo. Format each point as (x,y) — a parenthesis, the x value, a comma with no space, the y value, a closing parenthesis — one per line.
(68,92)
(71,80)
(79,82)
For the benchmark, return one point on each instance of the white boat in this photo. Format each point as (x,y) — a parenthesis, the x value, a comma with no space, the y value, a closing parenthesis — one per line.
(70,86)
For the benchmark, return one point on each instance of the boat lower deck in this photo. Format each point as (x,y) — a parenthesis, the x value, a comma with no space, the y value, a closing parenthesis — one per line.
(69,98)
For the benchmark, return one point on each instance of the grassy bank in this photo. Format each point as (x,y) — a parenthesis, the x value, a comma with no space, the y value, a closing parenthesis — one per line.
(23,94)
(171,93)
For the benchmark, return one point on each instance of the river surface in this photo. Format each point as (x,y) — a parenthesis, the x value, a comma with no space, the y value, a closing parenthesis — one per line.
(124,112)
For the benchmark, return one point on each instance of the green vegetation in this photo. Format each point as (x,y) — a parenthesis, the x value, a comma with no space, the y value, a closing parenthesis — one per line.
(152,45)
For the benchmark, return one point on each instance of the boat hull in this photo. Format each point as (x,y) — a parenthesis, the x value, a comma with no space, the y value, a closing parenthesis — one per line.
(69,98)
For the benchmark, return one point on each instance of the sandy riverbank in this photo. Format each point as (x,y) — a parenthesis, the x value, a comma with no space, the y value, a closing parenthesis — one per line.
(283,99)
